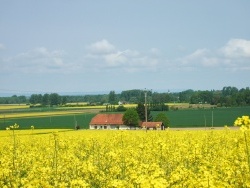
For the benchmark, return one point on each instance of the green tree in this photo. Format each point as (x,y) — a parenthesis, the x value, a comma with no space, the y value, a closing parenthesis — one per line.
(34,99)
(131,118)
(64,100)
(121,108)
(39,98)
(185,96)
(22,99)
(162,117)
(112,97)
(141,112)
(45,99)
(228,91)
(55,99)
(195,98)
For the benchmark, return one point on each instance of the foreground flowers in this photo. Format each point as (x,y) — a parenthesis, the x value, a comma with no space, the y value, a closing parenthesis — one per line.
(125,159)
(243,122)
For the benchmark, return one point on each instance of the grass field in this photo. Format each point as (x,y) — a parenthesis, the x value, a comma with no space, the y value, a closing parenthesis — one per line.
(179,118)
(67,121)
(205,117)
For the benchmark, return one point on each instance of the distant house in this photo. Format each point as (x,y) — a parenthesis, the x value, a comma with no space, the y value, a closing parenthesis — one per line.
(121,102)
(107,121)
(153,125)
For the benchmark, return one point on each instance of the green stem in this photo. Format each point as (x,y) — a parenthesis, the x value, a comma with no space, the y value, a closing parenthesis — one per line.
(55,155)
(14,150)
(247,151)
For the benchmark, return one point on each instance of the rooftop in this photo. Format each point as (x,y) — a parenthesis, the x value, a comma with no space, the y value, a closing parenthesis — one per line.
(107,119)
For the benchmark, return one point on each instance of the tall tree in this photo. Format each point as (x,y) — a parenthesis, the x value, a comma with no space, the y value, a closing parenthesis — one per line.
(33,99)
(39,98)
(22,99)
(185,96)
(55,99)
(112,97)
(141,112)
(64,100)
(45,99)
(162,117)
(131,118)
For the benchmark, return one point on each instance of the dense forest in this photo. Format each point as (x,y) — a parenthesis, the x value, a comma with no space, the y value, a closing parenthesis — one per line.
(228,96)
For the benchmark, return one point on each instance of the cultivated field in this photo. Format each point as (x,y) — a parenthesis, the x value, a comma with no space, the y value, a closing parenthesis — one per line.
(49,117)
(39,114)
(92,158)
(67,118)
(13,106)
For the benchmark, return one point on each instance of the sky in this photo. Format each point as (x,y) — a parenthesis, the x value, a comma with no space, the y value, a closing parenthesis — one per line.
(92,46)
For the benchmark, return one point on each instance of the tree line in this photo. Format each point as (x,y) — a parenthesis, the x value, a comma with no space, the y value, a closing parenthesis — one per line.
(34,99)
(228,96)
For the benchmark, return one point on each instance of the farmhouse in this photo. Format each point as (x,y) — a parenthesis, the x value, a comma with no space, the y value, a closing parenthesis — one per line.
(107,121)
(153,125)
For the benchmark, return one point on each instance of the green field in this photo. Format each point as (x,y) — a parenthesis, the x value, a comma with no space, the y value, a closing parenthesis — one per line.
(205,117)
(216,117)
(50,122)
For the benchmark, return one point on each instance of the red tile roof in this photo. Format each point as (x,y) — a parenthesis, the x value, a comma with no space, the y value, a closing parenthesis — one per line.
(151,124)
(107,119)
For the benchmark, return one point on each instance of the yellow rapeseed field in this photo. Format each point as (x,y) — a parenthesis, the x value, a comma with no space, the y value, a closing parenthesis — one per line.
(102,158)
(13,106)
(38,114)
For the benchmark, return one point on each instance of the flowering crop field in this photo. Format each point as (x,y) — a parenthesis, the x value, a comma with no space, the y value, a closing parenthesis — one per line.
(13,106)
(102,158)
(37,114)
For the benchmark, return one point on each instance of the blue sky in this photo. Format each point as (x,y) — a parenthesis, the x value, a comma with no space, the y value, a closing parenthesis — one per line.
(95,46)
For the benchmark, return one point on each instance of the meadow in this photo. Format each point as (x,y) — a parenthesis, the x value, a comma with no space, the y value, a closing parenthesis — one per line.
(67,121)
(60,118)
(129,159)
(201,117)
(46,117)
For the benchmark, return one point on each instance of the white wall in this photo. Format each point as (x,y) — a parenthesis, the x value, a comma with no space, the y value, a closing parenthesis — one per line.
(113,127)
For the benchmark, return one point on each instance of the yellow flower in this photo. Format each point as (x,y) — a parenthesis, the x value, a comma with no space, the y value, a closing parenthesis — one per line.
(242,121)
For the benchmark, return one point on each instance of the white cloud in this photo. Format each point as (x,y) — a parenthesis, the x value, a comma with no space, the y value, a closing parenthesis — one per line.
(236,48)
(38,60)
(106,57)
(102,56)
(210,61)
(2,47)
(155,51)
(200,58)
(115,59)
(195,57)
(233,56)
(40,53)
(101,47)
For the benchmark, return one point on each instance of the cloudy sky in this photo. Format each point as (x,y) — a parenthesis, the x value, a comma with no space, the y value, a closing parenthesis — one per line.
(99,46)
